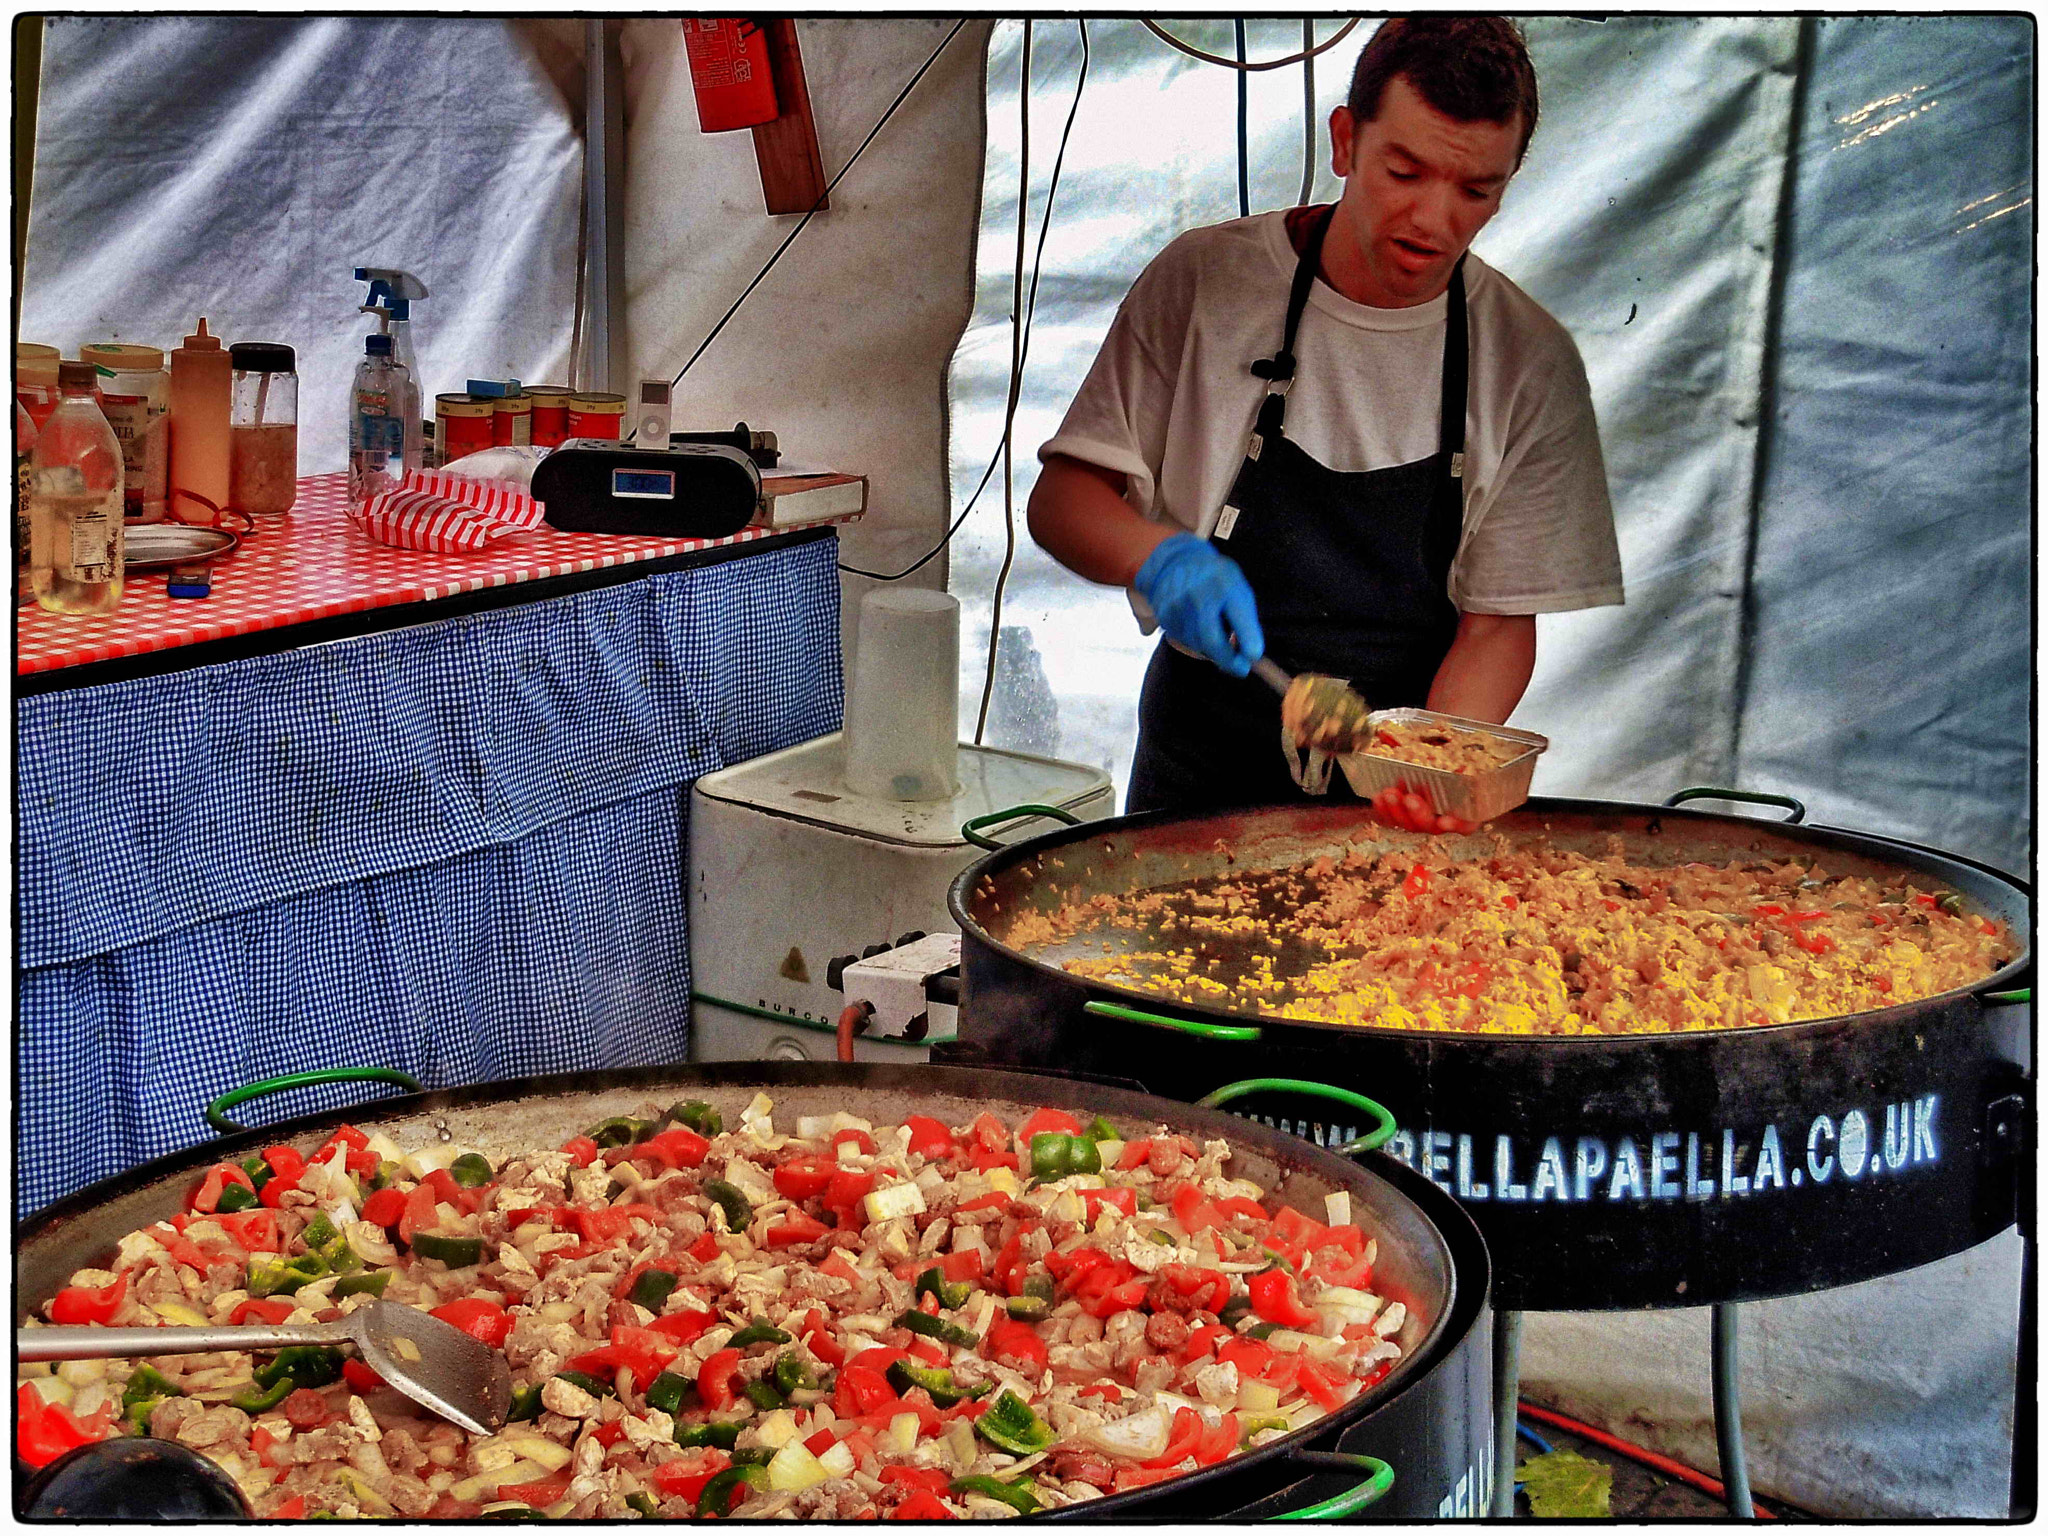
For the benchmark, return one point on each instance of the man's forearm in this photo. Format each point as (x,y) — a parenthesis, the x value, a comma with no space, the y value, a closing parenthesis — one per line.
(1488,667)
(1078,515)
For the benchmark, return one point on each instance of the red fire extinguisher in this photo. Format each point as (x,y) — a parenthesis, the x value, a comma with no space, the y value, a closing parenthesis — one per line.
(729,72)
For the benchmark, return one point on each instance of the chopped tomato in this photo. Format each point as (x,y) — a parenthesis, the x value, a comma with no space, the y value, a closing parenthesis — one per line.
(1274,1299)
(918,1477)
(929,1352)
(581,1149)
(714,1378)
(261,1440)
(293,1508)
(1217,1441)
(817,1337)
(265,1309)
(990,1133)
(1123,1199)
(929,1138)
(206,1195)
(1041,1122)
(82,1304)
(1203,1340)
(1017,1342)
(179,1248)
(448,1192)
(1194,1210)
(1209,1287)
(285,1162)
(1322,1388)
(922,1505)
(860,1391)
(1238,1205)
(994,1200)
(1813,943)
(861,1140)
(840,1267)
(982,1160)
(1417,881)
(541,1492)
(681,1327)
(360,1376)
(848,1188)
(45,1431)
(1290,1226)
(803,1177)
(480,1319)
(685,1477)
(794,1228)
(256,1231)
(705,1249)
(676,1147)
(1108,1389)
(273,1193)
(1135,1153)
(384,1207)
(821,1442)
(1181,1443)
(962,1265)
(419,1211)
(1008,1270)
(1128,1478)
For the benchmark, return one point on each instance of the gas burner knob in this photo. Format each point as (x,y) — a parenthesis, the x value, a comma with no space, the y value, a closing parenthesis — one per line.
(835,971)
(910,938)
(787,1049)
(873,950)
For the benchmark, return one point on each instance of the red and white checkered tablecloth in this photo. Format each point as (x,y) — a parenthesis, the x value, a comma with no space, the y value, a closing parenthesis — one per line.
(312,564)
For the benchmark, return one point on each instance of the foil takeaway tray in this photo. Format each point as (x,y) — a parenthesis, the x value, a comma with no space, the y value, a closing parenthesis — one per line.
(1469,796)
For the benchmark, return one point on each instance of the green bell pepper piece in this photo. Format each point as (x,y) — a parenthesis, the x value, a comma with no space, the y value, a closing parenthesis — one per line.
(1102,1130)
(652,1289)
(525,1403)
(1233,1310)
(621,1131)
(371,1282)
(588,1383)
(793,1373)
(697,1116)
(236,1197)
(388,1173)
(717,1497)
(148,1384)
(935,1328)
(758,1332)
(667,1392)
(1017,1495)
(1260,1330)
(262,1399)
(723,1433)
(455,1252)
(739,1210)
(1261,1421)
(304,1365)
(319,1232)
(1055,1156)
(1010,1425)
(757,1456)
(260,1173)
(765,1395)
(472,1170)
(645,1503)
(951,1293)
(273,1275)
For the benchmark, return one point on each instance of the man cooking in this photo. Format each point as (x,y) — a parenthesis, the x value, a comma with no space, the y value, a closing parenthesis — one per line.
(1332,436)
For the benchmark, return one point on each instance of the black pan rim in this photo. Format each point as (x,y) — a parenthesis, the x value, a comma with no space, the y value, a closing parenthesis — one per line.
(1897,1015)
(912,1077)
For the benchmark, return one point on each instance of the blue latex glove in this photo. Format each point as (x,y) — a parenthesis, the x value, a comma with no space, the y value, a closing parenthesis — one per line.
(1203,602)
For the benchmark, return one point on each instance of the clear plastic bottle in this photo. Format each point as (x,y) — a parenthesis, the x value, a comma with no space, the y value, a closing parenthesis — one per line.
(75,481)
(24,445)
(383,435)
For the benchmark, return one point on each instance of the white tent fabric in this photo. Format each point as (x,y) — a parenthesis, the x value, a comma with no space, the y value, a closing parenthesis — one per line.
(1796,256)
(242,168)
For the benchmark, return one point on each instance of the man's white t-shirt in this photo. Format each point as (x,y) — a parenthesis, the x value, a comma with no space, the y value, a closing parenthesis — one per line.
(1170,402)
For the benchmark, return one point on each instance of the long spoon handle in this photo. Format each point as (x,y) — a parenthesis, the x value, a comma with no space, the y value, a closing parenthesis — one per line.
(134,1343)
(1268,670)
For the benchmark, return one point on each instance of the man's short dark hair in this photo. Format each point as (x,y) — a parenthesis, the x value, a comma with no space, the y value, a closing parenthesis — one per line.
(1471,68)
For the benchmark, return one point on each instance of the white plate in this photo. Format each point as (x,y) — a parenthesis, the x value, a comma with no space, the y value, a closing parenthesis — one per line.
(148,545)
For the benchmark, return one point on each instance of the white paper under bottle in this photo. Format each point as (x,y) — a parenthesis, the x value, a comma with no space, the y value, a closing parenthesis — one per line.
(903,707)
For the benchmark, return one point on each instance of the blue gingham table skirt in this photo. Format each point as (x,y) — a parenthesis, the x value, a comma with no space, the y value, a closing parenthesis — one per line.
(455,849)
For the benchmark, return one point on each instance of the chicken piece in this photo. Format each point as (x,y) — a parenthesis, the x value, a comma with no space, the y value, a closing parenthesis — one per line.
(567,1399)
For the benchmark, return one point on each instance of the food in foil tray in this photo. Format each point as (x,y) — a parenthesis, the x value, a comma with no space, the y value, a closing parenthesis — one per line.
(829,1320)
(1534,940)
(1436,744)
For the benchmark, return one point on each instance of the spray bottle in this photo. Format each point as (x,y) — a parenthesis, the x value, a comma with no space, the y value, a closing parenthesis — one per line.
(391,296)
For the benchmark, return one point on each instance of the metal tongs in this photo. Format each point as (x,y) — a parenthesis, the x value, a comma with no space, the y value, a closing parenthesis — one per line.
(1321,715)
(432,1362)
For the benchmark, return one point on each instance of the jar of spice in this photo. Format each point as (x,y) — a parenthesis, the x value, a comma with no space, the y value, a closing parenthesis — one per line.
(263,428)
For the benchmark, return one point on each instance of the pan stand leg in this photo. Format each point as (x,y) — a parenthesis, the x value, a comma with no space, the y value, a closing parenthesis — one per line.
(1728,1415)
(1507,1393)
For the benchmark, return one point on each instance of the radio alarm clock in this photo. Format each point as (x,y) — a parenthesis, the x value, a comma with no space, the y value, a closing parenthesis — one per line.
(691,491)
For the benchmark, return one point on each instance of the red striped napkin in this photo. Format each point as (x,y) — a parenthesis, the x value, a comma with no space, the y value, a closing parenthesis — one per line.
(446,513)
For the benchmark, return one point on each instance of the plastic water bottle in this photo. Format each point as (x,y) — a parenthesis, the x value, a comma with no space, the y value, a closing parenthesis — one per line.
(383,437)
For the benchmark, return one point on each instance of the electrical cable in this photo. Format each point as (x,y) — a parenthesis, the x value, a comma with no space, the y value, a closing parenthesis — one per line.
(1543,1446)
(995,618)
(1030,309)
(1173,42)
(1244,162)
(901,97)
(1059,160)
(1308,111)
(1656,1462)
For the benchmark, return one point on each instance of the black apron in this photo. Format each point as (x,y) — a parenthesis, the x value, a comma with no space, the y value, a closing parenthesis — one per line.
(1350,573)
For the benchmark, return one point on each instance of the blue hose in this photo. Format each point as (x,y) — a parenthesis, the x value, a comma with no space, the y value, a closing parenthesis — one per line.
(1543,1446)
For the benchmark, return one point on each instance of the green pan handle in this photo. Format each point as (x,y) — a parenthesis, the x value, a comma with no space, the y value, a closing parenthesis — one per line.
(1742,797)
(1371,1141)
(2023,995)
(1104,1010)
(216,1112)
(1379,1478)
(971,830)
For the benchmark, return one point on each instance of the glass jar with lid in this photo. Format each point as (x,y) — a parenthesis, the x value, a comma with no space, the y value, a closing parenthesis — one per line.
(135,397)
(263,428)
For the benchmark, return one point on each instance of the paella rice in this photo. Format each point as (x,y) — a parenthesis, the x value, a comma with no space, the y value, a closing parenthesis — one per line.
(1534,940)
(831,1320)
(1434,744)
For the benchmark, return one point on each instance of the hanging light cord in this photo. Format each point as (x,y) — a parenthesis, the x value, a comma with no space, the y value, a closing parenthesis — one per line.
(1308,109)
(1023,353)
(745,293)
(1244,158)
(1020,351)
(1171,41)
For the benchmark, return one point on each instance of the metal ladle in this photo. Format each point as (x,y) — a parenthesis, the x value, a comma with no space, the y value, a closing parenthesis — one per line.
(432,1362)
(1321,712)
